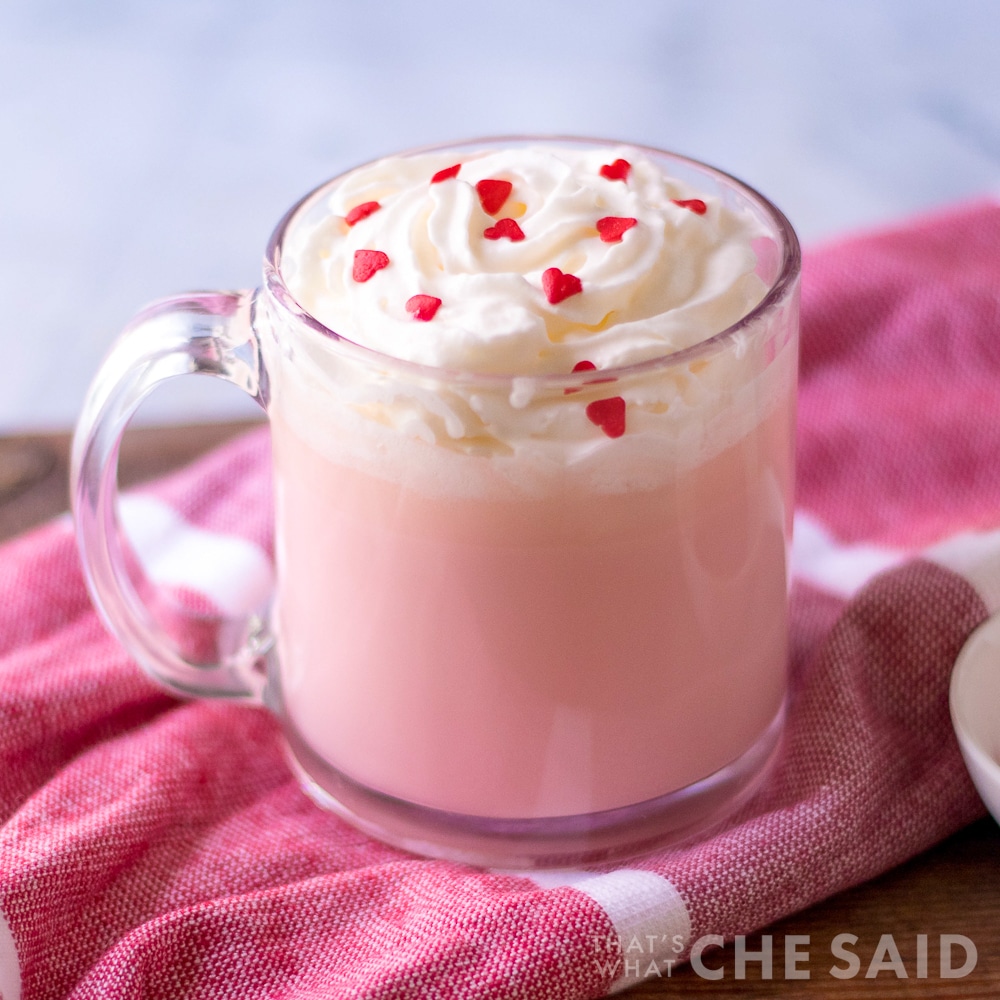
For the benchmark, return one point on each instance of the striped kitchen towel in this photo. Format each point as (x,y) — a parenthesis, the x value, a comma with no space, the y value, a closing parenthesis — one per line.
(157,848)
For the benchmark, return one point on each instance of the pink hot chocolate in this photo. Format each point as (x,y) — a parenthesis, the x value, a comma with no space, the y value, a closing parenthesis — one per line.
(513,592)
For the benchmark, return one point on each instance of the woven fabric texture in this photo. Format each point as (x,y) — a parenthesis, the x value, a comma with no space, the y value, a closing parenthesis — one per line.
(151,847)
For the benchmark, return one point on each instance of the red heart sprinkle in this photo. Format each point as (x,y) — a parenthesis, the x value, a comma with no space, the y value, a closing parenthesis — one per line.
(696,205)
(361,211)
(587,366)
(558,286)
(446,174)
(609,415)
(617,171)
(505,227)
(580,366)
(492,194)
(367,262)
(612,228)
(423,307)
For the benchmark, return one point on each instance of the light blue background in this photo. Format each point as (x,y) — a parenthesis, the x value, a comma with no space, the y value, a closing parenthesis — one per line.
(149,148)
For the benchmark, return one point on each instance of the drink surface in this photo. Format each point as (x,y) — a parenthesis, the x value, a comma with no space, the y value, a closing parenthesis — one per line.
(516,591)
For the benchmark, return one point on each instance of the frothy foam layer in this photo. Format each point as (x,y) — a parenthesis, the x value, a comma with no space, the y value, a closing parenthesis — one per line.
(523,261)
(514,266)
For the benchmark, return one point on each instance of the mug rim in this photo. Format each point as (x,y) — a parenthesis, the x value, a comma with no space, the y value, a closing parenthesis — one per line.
(779,290)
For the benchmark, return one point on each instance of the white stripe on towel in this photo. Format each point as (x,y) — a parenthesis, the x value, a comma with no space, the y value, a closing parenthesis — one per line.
(233,573)
(652,926)
(836,567)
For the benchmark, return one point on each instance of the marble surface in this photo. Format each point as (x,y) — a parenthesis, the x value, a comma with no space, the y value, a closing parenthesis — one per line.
(149,148)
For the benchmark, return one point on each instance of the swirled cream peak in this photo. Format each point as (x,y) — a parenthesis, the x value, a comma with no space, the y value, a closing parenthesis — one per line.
(522,261)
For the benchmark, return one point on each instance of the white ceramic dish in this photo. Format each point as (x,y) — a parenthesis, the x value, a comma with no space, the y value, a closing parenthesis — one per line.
(975,710)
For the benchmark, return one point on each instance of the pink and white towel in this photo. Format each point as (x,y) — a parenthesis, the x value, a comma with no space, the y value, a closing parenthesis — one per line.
(157,848)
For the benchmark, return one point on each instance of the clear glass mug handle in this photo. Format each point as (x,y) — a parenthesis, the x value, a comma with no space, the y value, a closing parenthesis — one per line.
(194,653)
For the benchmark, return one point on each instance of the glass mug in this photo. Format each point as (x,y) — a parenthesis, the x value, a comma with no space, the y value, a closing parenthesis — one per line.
(479,655)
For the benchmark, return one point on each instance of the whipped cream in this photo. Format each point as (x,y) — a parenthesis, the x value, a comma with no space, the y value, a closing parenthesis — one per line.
(672,267)
(619,263)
